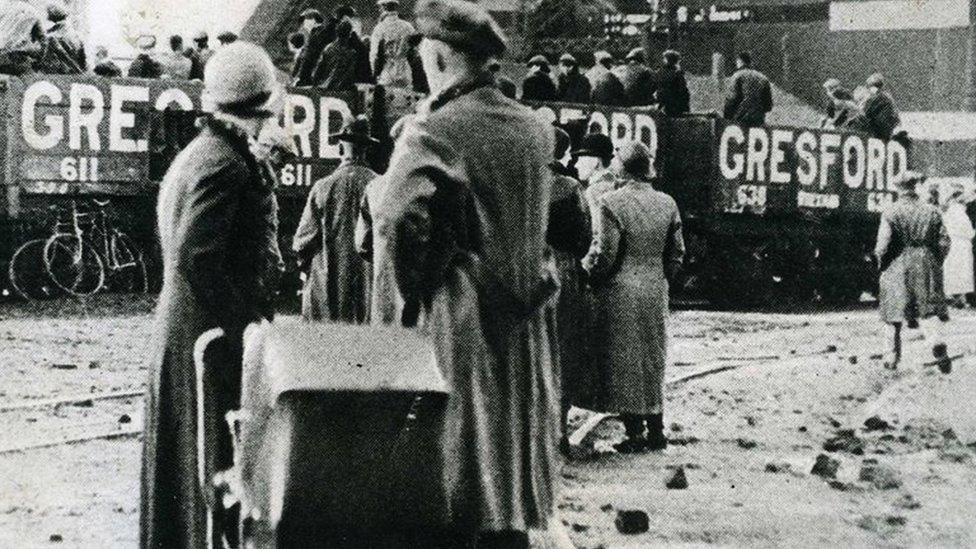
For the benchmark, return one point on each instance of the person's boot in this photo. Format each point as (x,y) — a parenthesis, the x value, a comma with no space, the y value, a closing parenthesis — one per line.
(656,441)
(941,353)
(635,441)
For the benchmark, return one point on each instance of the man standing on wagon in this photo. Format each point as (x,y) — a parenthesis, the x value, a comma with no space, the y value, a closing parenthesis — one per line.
(221,264)
(465,217)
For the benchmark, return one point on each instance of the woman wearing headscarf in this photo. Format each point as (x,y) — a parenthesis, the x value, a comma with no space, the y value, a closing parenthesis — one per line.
(21,38)
(910,249)
(637,250)
(958,267)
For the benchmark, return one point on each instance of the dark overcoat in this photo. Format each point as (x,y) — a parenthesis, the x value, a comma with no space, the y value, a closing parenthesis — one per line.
(638,81)
(881,115)
(573,87)
(539,87)
(465,214)
(336,69)
(608,90)
(338,284)
(672,91)
(145,66)
(750,97)
(218,231)
(570,234)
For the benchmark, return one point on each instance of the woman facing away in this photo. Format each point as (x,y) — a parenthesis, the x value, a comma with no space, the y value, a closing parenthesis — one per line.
(958,266)
(910,249)
(637,249)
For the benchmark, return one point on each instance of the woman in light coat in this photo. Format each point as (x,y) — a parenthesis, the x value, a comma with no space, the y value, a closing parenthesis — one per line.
(958,266)
(636,251)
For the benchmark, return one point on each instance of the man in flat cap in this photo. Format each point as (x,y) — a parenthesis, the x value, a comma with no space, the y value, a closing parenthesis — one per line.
(227,38)
(607,89)
(338,281)
(638,80)
(672,88)
(389,46)
(571,86)
(317,37)
(465,217)
(750,94)
(538,85)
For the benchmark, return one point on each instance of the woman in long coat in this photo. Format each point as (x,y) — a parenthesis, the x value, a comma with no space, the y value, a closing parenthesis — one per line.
(218,230)
(637,249)
(570,235)
(910,249)
(958,266)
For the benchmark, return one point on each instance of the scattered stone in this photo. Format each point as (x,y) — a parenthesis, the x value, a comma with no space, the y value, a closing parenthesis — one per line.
(887,438)
(65,366)
(896,520)
(949,434)
(853,359)
(580,527)
(802,429)
(877,357)
(875,423)
(782,467)
(881,477)
(909,502)
(845,440)
(840,485)
(94,365)
(55,538)
(881,524)
(746,444)
(632,522)
(676,428)
(606,508)
(84,403)
(678,480)
(830,349)
(683,441)
(125,418)
(955,456)
(833,422)
(750,421)
(825,467)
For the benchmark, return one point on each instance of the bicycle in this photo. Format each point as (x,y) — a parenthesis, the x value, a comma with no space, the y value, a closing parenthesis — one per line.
(85,246)
(28,274)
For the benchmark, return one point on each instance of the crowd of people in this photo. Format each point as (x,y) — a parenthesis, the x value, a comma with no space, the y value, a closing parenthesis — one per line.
(543,283)
(868,109)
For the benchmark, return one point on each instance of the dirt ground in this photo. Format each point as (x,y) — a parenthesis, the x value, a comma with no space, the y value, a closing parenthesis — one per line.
(746,438)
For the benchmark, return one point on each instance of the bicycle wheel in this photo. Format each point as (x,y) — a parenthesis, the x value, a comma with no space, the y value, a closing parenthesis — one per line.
(28,274)
(74,265)
(126,266)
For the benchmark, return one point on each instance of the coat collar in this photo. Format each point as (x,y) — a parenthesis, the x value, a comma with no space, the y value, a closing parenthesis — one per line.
(481,80)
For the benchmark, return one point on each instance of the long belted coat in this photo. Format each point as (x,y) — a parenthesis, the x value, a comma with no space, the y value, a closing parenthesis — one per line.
(638,248)
(338,283)
(465,214)
(910,248)
(218,230)
(386,305)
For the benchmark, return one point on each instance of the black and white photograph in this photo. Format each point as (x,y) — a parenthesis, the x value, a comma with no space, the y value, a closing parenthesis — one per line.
(487,274)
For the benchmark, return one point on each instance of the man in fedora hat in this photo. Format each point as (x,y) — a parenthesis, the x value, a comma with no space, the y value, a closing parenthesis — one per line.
(911,246)
(389,47)
(538,85)
(145,64)
(466,228)
(337,284)
(221,266)
(637,78)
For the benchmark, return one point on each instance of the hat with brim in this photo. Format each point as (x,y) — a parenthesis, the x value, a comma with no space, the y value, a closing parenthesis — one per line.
(595,144)
(387,2)
(567,59)
(876,80)
(227,36)
(538,61)
(636,54)
(312,13)
(356,131)
(201,36)
(464,26)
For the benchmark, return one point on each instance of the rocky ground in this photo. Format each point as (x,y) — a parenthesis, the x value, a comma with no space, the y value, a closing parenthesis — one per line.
(804,440)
